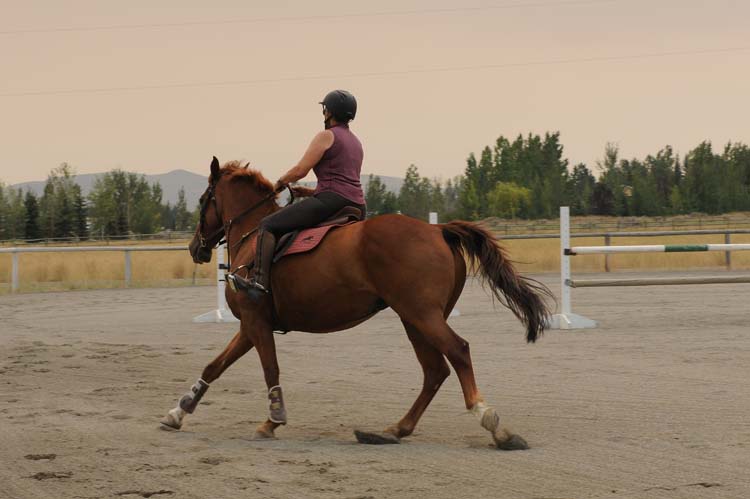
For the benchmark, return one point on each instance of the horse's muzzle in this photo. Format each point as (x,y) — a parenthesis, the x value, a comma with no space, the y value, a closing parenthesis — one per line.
(200,254)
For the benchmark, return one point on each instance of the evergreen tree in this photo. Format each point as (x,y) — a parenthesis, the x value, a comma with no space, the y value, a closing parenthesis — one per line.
(182,217)
(469,201)
(414,197)
(48,211)
(80,215)
(375,195)
(4,213)
(602,199)
(32,231)
(390,203)
(437,199)
(582,184)
(123,203)
(168,216)
(57,205)
(614,178)
(12,213)
(451,198)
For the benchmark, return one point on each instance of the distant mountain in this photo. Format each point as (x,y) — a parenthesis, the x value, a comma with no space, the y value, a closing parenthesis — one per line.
(171,183)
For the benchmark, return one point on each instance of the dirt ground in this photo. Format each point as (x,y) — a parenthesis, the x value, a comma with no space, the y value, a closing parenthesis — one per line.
(652,404)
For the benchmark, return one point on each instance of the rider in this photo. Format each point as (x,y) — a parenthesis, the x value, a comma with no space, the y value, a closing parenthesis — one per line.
(335,155)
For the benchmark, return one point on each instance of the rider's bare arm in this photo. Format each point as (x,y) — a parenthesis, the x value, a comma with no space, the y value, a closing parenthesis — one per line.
(319,145)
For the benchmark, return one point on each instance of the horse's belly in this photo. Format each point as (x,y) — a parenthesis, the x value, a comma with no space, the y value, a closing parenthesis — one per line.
(327,312)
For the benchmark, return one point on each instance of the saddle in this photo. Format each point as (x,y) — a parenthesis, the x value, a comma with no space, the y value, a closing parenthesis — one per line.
(301,241)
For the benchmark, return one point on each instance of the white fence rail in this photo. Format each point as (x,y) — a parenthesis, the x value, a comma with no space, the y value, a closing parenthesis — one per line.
(15,252)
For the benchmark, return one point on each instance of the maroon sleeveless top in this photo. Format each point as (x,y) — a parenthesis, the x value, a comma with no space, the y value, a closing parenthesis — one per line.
(339,169)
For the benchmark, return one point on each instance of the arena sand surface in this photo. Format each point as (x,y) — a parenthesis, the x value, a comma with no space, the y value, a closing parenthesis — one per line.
(653,404)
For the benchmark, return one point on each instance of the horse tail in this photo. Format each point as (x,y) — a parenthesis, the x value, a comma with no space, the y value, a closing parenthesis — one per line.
(522,295)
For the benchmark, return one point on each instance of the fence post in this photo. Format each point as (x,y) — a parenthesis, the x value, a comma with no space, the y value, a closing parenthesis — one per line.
(728,254)
(607,242)
(128,269)
(14,273)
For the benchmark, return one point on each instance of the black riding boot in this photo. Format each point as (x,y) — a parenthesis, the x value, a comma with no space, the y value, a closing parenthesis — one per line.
(260,284)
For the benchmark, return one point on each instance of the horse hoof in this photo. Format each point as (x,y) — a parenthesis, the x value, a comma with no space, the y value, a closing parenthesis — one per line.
(366,437)
(510,441)
(263,435)
(169,423)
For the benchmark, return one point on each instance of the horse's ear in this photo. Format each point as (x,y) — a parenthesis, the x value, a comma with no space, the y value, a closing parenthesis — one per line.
(215,168)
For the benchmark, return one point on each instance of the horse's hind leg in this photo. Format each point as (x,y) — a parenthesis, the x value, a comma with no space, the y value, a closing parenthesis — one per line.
(238,347)
(435,371)
(440,335)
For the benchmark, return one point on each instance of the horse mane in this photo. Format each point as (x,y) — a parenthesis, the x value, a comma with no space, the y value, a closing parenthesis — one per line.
(235,170)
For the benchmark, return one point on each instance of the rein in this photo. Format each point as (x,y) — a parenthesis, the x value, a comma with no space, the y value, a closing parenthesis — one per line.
(227,227)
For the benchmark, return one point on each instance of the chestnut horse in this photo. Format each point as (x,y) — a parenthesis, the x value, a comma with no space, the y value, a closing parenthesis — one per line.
(415,268)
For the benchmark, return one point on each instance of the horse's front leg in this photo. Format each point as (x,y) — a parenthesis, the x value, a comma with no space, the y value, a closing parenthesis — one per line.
(239,346)
(262,335)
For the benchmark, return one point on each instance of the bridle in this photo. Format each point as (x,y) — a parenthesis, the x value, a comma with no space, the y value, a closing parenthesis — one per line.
(223,232)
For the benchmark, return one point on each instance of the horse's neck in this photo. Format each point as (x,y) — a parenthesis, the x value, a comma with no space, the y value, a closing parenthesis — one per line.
(237,240)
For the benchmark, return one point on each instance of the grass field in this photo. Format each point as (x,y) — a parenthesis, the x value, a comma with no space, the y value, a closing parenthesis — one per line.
(87,270)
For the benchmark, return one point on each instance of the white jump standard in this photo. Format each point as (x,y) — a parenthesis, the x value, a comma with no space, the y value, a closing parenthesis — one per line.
(568,320)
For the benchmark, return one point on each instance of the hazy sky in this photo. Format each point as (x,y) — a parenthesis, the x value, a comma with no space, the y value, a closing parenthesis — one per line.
(406,115)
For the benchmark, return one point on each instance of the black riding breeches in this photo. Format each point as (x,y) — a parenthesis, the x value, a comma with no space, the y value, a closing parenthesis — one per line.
(307,213)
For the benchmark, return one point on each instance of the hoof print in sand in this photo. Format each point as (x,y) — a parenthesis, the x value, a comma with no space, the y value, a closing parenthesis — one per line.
(143,493)
(40,457)
(51,475)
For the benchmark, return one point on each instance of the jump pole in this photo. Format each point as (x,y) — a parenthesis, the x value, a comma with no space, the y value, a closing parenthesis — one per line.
(567,319)
(222,313)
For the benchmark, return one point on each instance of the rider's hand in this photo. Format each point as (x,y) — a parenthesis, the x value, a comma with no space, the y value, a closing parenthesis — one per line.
(279,186)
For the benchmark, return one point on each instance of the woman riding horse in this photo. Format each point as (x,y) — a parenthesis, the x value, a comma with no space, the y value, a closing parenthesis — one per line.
(335,155)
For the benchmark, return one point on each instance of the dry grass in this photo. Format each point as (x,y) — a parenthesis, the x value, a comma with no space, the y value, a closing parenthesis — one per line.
(87,270)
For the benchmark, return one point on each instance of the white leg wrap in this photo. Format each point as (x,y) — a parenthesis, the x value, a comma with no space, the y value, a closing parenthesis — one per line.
(488,418)
(479,409)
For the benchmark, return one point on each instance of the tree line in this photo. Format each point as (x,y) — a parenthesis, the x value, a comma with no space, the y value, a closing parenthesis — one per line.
(527,177)
(119,204)
(530,178)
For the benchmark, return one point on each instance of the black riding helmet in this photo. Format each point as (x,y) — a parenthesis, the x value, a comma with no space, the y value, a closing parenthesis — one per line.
(341,104)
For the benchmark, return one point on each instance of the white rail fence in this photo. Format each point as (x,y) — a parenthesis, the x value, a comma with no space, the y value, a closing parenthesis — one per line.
(127,250)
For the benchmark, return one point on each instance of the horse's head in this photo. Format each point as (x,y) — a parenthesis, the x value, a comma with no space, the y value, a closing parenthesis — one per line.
(210,227)
(230,188)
